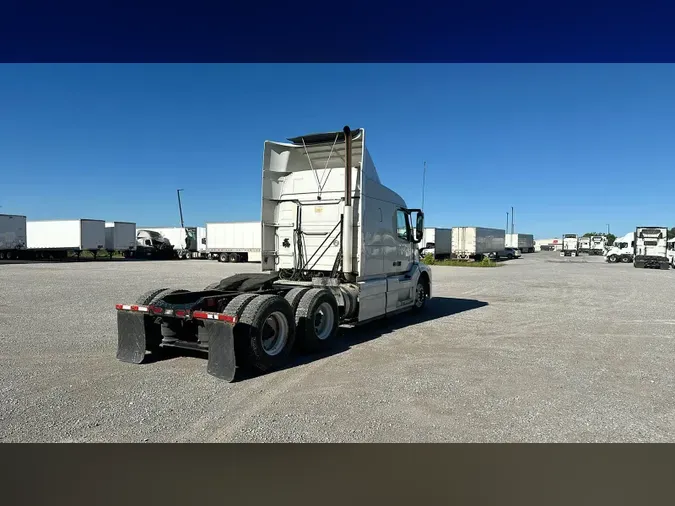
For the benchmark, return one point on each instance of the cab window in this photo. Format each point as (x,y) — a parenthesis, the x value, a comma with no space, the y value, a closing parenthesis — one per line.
(402,226)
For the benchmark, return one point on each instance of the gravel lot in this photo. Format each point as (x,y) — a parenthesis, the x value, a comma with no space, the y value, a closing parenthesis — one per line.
(541,349)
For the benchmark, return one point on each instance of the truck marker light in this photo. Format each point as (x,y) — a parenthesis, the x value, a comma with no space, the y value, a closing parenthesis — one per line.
(127,307)
(180,312)
(155,309)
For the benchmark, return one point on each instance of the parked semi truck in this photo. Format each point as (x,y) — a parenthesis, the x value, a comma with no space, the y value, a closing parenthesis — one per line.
(598,245)
(671,252)
(57,238)
(584,245)
(152,245)
(651,248)
(522,242)
(570,245)
(234,241)
(477,243)
(622,250)
(120,236)
(183,240)
(12,236)
(436,242)
(338,247)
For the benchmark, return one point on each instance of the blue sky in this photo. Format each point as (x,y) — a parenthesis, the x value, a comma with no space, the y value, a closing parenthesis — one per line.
(571,147)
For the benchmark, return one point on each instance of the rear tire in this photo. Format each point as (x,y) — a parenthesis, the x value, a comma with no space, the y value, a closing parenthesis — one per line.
(234,258)
(625,260)
(267,325)
(612,259)
(317,319)
(421,294)
(224,257)
(9,255)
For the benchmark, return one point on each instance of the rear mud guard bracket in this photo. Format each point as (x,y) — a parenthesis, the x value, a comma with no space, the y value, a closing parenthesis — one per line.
(222,360)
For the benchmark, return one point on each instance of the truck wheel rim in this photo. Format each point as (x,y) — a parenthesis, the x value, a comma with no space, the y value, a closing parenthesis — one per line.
(420,295)
(275,333)
(324,318)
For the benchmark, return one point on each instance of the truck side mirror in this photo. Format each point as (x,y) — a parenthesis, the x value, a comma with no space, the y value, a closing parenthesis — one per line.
(419,224)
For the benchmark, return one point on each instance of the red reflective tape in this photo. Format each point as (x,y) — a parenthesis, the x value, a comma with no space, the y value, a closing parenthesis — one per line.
(200,314)
(119,307)
(180,313)
(155,309)
(134,308)
(226,318)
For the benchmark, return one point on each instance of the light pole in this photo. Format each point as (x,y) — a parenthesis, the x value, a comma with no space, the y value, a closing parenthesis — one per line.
(180,208)
(608,229)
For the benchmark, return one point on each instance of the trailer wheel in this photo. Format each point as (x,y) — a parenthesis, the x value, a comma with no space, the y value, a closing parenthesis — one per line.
(234,258)
(267,325)
(148,297)
(224,257)
(317,319)
(2,255)
(625,259)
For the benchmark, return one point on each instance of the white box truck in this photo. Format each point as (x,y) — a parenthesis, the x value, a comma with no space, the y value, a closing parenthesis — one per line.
(12,236)
(523,242)
(477,243)
(651,248)
(56,238)
(570,245)
(234,241)
(436,242)
(120,236)
(338,248)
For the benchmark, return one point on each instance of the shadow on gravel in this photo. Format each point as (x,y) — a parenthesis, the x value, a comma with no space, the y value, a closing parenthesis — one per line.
(437,307)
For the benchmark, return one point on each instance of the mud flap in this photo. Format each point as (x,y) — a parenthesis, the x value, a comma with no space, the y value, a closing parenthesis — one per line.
(222,357)
(131,331)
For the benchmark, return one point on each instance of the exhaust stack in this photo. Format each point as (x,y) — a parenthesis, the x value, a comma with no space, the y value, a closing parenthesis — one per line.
(348,212)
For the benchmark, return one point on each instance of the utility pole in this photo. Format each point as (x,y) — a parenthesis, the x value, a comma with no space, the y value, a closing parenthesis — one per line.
(507,223)
(424,180)
(512,219)
(180,208)
(608,229)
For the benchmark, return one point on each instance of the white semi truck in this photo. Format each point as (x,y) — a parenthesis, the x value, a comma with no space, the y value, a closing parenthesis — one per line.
(598,245)
(584,245)
(651,248)
(522,242)
(671,252)
(622,250)
(183,239)
(338,247)
(477,243)
(12,236)
(234,241)
(570,245)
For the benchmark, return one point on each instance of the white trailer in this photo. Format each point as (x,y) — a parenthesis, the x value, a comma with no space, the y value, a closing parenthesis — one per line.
(56,238)
(436,242)
(338,248)
(570,245)
(477,242)
(234,241)
(120,236)
(651,248)
(12,236)
(622,250)
(598,245)
(584,245)
(523,242)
